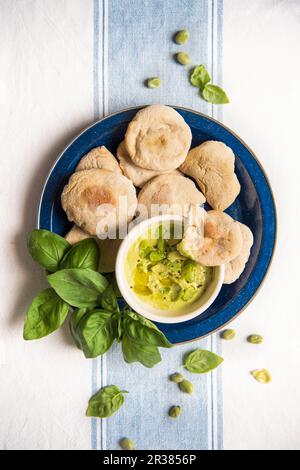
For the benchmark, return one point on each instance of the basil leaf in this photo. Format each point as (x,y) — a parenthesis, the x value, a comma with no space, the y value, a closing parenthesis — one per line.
(84,254)
(118,327)
(95,333)
(149,356)
(214,94)
(47,248)
(143,331)
(201,361)
(46,314)
(75,318)
(109,300)
(112,280)
(105,402)
(78,287)
(200,77)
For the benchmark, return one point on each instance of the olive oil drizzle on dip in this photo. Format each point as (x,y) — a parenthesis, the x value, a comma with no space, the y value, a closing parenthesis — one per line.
(160,276)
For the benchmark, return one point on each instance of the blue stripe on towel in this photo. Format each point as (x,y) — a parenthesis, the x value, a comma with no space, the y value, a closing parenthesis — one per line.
(144,417)
(94,438)
(220,117)
(94,420)
(216,112)
(140,46)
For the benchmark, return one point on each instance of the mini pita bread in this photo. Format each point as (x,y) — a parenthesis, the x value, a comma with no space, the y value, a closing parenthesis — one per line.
(234,268)
(100,158)
(108,248)
(211,164)
(75,235)
(158,138)
(139,176)
(91,200)
(171,189)
(221,242)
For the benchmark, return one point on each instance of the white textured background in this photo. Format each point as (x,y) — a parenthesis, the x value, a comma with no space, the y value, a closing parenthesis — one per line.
(261,67)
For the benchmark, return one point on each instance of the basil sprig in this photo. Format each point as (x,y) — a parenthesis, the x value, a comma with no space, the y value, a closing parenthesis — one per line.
(214,94)
(106,402)
(95,331)
(96,321)
(201,361)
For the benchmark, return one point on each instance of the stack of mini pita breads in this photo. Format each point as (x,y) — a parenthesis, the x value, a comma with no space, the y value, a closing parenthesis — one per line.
(154,157)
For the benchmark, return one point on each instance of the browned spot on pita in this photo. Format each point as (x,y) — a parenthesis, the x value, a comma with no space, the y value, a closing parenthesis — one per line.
(96,196)
(87,190)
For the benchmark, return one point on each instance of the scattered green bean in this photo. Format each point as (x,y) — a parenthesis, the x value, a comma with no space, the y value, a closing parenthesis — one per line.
(183,58)
(127,444)
(174,411)
(176,377)
(263,376)
(182,36)
(186,386)
(255,339)
(153,82)
(228,334)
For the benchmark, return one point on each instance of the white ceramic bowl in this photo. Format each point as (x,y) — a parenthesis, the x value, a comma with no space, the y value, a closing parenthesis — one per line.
(163,316)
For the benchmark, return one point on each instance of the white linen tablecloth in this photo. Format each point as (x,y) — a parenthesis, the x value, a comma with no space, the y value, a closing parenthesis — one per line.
(64,64)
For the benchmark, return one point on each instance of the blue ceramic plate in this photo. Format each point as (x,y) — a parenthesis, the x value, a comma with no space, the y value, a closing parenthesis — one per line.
(254,207)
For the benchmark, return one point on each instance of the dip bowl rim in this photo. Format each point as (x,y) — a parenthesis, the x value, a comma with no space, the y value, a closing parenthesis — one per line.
(144,309)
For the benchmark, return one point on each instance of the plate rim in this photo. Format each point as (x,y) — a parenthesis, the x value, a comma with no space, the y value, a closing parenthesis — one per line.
(215,121)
